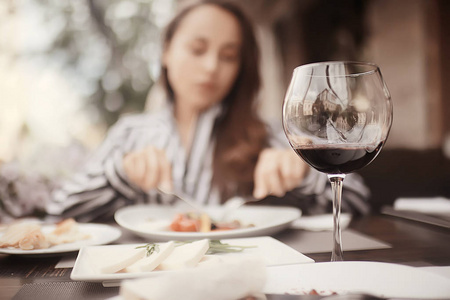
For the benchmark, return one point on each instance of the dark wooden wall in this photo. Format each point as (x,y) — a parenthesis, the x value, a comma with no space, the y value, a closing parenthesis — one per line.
(399,173)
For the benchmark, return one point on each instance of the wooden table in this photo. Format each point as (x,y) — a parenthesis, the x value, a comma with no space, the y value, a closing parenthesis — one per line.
(413,243)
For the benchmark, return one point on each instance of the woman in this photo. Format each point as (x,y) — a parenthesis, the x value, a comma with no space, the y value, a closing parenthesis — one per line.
(208,141)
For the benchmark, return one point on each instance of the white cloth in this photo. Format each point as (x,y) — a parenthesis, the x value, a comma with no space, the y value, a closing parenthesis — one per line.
(436,205)
(230,279)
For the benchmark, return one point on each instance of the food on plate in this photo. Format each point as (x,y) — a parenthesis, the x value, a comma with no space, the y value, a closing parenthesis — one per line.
(184,222)
(29,235)
(201,222)
(321,293)
(147,258)
(150,262)
(26,236)
(185,256)
(113,260)
(66,231)
(165,256)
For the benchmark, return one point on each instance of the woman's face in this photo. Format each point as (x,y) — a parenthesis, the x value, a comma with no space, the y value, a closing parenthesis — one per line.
(203,57)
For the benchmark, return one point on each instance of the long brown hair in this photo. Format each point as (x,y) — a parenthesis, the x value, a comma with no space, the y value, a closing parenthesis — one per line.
(240,134)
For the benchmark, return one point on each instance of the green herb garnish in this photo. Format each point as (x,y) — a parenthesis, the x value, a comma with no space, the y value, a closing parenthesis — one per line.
(215,247)
(150,248)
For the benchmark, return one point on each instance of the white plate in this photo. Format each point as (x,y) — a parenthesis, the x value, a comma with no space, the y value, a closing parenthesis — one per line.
(384,280)
(274,252)
(99,234)
(144,220)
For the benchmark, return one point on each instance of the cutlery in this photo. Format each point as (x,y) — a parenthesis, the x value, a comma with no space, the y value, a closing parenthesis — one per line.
(185,198)
(233,204)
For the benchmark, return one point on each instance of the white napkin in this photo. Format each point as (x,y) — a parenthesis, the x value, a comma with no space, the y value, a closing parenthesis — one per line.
(229,278)
(320,222)
(436,205)
(440,270)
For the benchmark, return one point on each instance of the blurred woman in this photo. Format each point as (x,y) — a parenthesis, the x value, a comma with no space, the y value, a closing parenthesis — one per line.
(207,142)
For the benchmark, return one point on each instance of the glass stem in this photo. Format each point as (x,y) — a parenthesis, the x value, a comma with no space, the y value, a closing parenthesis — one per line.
(336,187)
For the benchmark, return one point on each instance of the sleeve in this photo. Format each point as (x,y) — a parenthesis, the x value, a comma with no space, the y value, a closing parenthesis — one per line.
(314,195)
(101,187)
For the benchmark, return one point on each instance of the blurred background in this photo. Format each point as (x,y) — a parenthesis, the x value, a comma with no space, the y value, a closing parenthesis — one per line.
(70,68)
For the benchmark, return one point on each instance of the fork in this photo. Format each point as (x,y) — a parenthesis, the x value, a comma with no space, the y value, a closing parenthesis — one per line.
(233,204)
(185,198)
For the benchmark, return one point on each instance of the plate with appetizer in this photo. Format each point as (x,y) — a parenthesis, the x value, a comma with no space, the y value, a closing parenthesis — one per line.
(112,263)
(37,238)
(347,278)
(165,223)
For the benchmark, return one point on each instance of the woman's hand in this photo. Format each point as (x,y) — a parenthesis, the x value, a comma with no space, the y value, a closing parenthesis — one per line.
(148,169)
(277,172)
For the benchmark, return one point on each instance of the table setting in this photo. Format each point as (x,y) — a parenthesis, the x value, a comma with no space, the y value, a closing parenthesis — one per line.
(294,261)
(337,117)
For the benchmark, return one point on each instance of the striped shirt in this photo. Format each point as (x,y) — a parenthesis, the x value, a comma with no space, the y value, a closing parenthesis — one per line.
(102,187)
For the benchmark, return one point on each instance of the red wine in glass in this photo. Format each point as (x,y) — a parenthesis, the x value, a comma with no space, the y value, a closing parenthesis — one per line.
(337,117)
(335,159)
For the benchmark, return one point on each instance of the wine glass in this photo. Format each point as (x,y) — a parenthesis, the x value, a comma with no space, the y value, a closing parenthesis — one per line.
(337,116)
